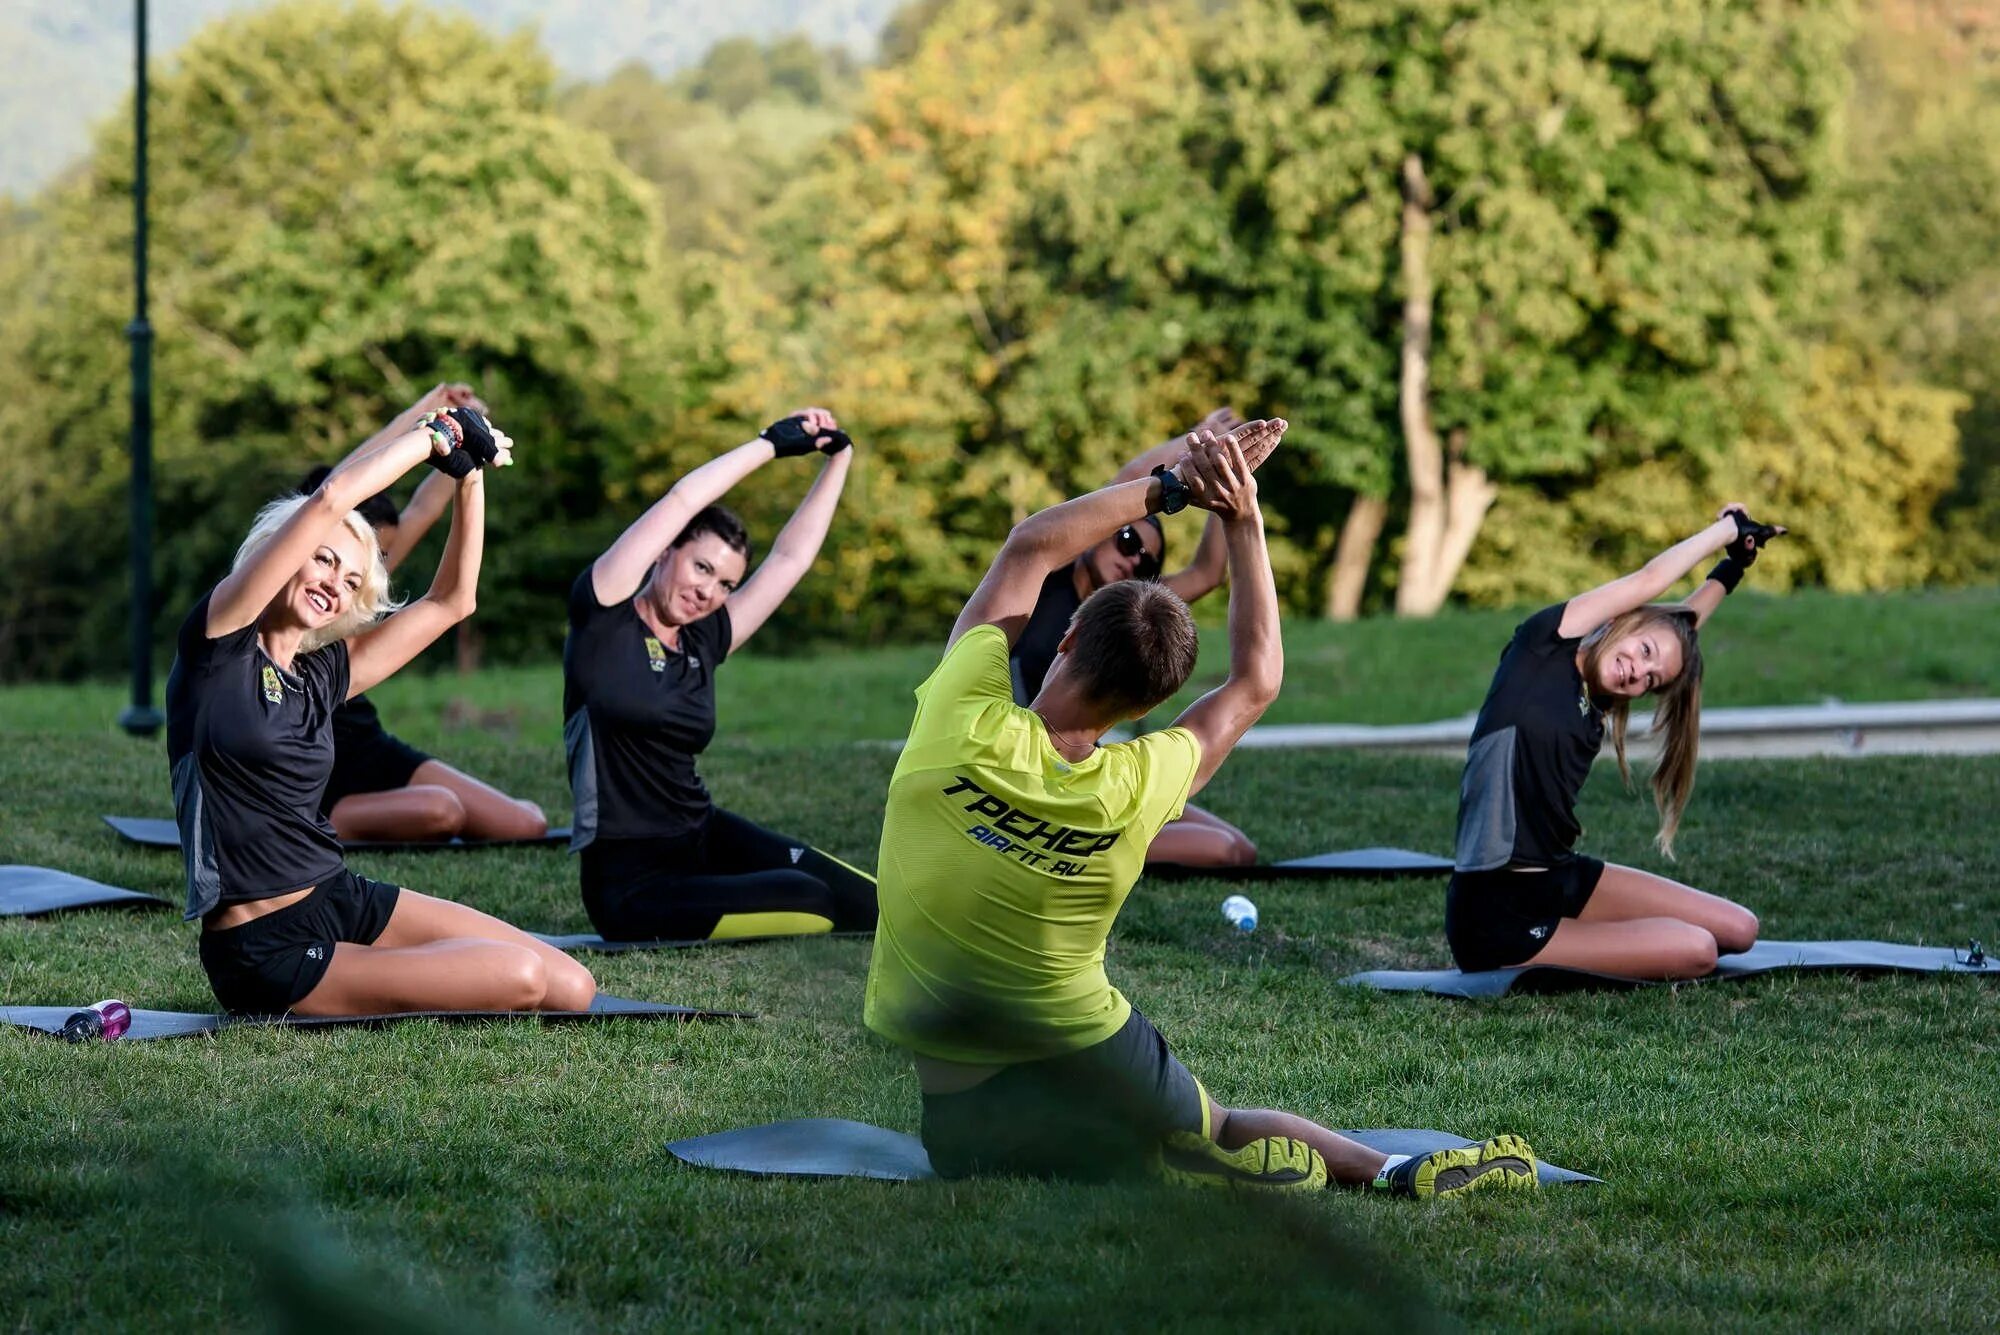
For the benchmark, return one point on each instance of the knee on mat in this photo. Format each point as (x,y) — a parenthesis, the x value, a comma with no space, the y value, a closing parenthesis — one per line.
(1691,954)
(436,813)
(1242,852)
(1737,932)
(525,821)
(519,980)
(568,986)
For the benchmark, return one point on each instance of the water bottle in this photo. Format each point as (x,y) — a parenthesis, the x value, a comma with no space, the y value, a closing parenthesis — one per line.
(1240,913)
(106,1020)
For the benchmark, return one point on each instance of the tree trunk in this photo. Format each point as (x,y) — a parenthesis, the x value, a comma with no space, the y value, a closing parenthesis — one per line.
(1352,556)
(1448,496)
(468,645)
(1413,398)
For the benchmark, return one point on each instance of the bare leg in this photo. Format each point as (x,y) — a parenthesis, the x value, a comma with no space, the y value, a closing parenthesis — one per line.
(1626,893)
(1638,925)
(437,955)
(1202,839)
(1348,1162)
(417,814)
(489,813)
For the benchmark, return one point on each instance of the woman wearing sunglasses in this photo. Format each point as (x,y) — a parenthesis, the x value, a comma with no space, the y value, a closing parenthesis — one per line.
(1137,551)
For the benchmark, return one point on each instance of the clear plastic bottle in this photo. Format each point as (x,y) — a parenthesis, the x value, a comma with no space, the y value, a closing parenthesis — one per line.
(1240,913)
(107,1020)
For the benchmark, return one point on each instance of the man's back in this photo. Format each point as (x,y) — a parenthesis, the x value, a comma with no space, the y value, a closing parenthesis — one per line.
(1002,867)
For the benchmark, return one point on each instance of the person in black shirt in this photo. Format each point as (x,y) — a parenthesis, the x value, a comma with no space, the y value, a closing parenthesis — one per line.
(382,787)
(1136,551)
(264,660)
(1520,892)
(650,622)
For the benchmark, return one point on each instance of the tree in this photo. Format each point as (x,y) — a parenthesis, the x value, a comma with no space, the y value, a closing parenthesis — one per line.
(348,203)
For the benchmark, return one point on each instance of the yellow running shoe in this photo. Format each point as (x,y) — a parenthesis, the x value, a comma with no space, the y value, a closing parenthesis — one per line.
(1189,1159)
(1504,1162)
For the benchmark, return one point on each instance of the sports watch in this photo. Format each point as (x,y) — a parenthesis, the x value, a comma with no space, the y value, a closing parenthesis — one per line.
(1173,491)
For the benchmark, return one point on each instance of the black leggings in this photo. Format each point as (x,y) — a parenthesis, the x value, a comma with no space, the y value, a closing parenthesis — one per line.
(687,887)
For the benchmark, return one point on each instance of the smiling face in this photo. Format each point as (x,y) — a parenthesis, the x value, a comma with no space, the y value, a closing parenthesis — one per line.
(694,578)
(326,586)
(1639,663)
(1116,558)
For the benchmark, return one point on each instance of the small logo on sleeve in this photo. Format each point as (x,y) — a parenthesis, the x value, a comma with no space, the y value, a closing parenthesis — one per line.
(656,654)
(274,690)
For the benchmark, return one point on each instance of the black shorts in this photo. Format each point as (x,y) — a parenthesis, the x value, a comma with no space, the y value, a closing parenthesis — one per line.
(1092,1116)
(370,762)
(269,964)
(1497,919)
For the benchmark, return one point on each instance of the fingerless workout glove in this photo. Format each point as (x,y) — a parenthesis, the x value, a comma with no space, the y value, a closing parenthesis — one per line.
(836,441)
(470,437)
(790,437)
(1728,573)
(1750,539)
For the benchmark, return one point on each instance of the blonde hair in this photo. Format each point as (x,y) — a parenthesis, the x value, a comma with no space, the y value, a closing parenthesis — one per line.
(371,601)
(1677,717)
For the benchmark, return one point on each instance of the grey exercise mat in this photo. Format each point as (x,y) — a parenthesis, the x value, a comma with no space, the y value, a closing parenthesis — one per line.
(597,945)
(1348,863)
(154,833)
(1764,957)
(27,892)
(836,1147)
(181,1024)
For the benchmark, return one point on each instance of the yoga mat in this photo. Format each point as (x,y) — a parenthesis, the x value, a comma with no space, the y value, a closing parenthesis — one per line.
(836,1147)
(585,941)
(181,1024)
(165,834)
(28,892)
(1354,862)
(1868,957)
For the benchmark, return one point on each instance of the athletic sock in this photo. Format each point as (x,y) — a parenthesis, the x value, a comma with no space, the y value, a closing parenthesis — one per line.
(1388,1179)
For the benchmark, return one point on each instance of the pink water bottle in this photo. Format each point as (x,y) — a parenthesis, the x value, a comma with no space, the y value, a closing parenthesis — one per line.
(106,1020)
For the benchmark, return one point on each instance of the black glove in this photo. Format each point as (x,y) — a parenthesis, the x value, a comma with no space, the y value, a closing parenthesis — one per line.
(836,441)
(791,437)
(471,437)
(1750,539)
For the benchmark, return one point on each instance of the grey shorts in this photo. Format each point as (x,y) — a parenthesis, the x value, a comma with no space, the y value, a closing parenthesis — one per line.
(1091,1116)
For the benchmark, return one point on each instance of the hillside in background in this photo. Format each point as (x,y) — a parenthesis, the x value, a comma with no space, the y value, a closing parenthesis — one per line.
(64,64)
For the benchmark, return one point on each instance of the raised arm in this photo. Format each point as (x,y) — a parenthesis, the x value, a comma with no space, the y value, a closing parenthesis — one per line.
(1587,611)
(426,507)
(1256,651)
(242,595)
(1041,542)
(1203,573)
(376,653)
(1220,422)
(791,555)
(1728,573)
(617,575)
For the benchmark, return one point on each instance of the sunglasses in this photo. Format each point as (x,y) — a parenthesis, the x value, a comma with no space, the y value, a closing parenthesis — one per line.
(1130,543)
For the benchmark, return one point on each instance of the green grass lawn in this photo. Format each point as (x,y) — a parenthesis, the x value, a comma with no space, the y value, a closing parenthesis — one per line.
(1792,1152)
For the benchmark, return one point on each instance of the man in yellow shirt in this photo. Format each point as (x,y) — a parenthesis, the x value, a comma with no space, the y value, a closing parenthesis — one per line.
(1012,838)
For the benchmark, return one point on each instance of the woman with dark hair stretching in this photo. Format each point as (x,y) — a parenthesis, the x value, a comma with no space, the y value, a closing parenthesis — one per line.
(1520,893)
(649,623)
(1138,550)
(382,787)
(264,660)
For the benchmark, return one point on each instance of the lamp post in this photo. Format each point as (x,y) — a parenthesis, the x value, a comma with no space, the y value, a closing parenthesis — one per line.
(140,718)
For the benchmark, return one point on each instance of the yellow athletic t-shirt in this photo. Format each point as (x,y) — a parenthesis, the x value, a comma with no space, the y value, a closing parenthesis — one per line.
(1002,867)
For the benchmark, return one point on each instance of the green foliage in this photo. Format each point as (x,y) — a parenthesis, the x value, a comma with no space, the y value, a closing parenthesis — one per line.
(1855,471)
(330,234)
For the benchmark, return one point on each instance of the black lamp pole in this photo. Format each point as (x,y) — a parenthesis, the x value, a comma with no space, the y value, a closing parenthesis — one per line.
(140,718)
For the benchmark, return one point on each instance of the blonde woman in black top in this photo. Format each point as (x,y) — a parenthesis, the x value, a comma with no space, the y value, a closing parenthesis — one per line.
(1521,893)
(264,660)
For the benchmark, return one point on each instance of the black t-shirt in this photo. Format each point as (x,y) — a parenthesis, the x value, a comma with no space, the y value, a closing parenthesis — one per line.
(635,715)
(1537,736)
(1035,652)
(250,746)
